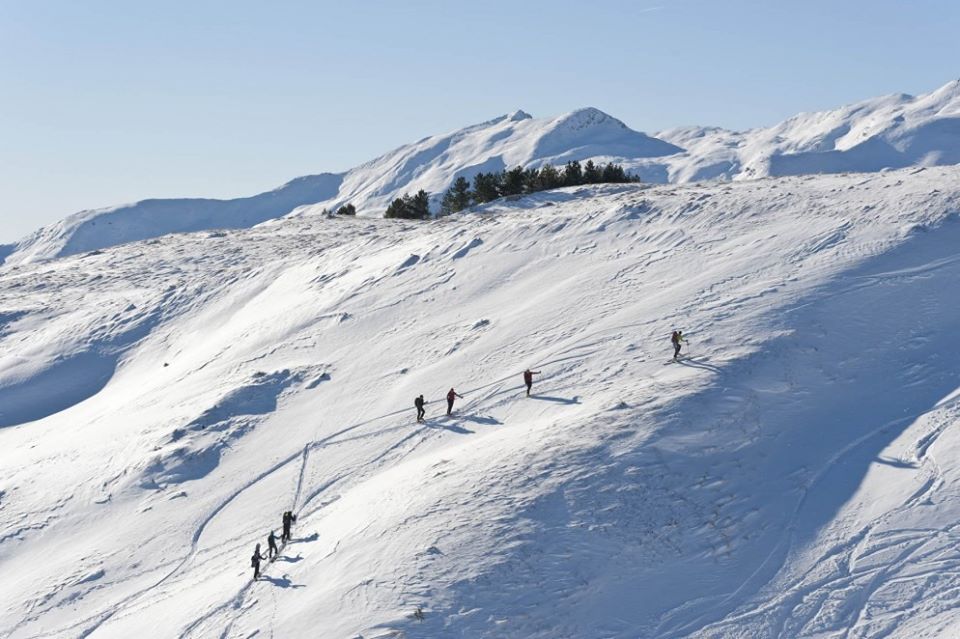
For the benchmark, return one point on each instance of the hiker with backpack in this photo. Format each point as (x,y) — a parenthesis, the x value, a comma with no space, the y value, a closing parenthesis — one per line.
(272,545)
(288,519)
(418,402)
(676,339)
(255,562)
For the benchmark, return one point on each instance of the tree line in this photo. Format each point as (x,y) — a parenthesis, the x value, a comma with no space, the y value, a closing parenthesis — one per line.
(519,181)
(487,187)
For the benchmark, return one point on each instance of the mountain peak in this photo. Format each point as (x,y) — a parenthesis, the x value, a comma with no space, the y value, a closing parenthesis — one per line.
(587,118)
(519,115)
(949,91)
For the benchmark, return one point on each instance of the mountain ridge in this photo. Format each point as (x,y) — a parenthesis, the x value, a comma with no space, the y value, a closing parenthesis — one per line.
(888,132)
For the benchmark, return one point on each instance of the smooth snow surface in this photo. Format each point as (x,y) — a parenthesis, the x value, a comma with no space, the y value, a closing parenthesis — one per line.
(795,475)
(890,132)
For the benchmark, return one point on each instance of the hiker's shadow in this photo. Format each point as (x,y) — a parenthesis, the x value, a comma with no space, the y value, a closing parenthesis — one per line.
(482,419)
(896,463)
(282,582)
(305,540)
(453,428)
(560,400)
(289,560)
(693,363)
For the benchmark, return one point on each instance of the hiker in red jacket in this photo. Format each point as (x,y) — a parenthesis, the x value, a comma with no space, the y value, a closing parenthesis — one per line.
(528,379)
(450,396)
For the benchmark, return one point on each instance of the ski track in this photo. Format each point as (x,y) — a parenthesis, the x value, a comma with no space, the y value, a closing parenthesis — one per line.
(876,577)
(195,541)
(318,444)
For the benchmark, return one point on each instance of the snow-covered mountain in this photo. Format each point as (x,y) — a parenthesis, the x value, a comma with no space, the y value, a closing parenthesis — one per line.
(431,164)
(796,475)
(889,132)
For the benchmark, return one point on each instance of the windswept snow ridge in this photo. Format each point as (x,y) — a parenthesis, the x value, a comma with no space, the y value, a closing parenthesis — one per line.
(890,132)
(793,476)
(97,229)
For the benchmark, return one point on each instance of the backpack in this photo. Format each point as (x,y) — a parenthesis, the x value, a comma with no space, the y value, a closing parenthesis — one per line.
(253,561)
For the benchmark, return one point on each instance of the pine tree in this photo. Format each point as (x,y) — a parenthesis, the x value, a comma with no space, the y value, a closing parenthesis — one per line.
(410,207)
(572,174)
(591,174)
(397,209)
(420,205)
(457,197)
(549,178)
(485,187)
(347,209)
(513,182)
(447,205)
(531,181)
(613,173)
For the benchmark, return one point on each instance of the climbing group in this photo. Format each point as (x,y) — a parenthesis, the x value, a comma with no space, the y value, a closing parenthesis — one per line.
(289,518)
(419,402)
(272,551)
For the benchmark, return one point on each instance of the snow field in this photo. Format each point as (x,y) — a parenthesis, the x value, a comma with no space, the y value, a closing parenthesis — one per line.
(790,478)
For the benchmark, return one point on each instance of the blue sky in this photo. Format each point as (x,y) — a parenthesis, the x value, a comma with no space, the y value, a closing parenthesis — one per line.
(108,102)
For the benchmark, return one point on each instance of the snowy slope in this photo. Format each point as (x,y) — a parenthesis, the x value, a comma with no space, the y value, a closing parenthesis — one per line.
(796,476)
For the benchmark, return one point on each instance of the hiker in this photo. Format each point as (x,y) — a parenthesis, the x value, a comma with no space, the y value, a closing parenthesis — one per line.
(288,519)
(255,562)
(418,402)
(450,397)
(272,545)
(528,379)
(676,339)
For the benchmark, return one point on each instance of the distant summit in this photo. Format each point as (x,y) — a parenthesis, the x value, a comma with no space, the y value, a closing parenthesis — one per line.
(888,132)
(894,131)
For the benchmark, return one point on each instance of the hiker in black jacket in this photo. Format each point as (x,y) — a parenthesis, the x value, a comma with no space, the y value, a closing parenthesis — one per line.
(255,562)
